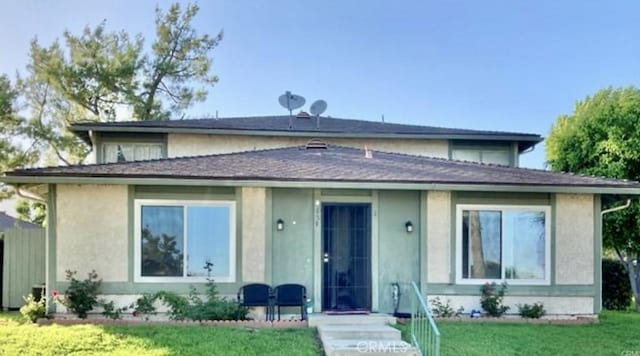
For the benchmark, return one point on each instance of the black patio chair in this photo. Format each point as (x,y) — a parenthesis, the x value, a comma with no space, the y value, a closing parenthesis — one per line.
(256,295)
(291,295)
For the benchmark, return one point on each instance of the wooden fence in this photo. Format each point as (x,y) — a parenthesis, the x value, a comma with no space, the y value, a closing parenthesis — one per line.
(23,264)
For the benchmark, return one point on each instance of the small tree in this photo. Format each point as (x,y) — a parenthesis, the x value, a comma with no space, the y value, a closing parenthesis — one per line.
(602,138)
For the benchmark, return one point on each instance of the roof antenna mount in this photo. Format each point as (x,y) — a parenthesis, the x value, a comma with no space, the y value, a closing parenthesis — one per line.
(291,102)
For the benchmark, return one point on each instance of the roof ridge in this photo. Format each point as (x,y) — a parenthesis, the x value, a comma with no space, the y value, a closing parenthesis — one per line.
(231,118)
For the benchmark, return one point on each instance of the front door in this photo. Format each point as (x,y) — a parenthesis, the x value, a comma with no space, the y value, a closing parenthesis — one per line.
(346,257)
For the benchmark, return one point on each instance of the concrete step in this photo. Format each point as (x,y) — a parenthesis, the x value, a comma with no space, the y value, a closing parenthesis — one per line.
(323,319)
(359,331)
(353,347)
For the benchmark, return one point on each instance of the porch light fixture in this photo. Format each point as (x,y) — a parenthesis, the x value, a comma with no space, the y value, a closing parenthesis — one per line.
(280,225)
(409,226)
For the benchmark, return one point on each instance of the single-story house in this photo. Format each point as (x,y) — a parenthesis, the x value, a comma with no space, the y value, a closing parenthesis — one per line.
(345,207)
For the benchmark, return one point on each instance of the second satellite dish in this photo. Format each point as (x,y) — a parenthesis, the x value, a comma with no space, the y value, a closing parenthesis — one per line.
(318,107)
(291,101)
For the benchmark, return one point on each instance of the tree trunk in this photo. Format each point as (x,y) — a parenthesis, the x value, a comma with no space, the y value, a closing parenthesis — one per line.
(478,268)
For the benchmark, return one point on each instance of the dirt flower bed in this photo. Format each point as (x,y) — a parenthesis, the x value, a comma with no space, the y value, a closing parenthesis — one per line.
(513,319)
(283,324)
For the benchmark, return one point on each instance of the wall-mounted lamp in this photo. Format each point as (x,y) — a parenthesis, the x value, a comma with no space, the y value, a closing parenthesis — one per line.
(280,225)
(408,226)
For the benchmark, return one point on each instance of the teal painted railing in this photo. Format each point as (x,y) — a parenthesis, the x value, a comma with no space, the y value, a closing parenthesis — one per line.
(425,336)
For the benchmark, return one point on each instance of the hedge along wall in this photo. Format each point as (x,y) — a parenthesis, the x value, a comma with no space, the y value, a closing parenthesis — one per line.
(23,265)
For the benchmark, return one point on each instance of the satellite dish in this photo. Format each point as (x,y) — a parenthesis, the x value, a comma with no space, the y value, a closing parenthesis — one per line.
(318,107)
(291,101)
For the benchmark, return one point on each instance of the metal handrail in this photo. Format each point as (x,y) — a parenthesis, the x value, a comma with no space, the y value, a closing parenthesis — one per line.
(425,336)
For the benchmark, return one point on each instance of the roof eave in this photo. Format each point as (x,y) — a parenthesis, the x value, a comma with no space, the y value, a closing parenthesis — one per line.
(280,183)
(83,133)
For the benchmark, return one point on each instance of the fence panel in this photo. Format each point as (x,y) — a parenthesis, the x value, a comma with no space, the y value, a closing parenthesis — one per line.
(24,264)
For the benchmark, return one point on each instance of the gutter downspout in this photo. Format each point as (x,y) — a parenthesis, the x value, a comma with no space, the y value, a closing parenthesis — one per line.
(607,211)
(30,196)
(621,207)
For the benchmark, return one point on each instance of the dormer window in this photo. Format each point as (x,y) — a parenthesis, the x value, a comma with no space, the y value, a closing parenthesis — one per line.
(124,152)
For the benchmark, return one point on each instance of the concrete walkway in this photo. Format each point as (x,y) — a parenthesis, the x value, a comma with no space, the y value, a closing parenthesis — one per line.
(343,335)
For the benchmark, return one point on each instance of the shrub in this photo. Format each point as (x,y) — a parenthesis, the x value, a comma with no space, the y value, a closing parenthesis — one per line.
(616,290)
(81,296)
(110,311)
(444,310)
(144,304)
(192,306)
(32,309)
(534,311)
(491,299)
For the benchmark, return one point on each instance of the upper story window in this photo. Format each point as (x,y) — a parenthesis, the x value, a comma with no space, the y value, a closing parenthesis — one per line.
(130,151)
(503,243)
(484,155)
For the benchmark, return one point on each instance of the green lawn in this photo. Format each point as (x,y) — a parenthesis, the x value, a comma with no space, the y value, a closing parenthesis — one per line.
(617,333)
(30,339)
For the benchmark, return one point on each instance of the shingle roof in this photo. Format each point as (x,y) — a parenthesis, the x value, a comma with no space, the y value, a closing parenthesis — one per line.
(280,125)
(334,164)
(7,222)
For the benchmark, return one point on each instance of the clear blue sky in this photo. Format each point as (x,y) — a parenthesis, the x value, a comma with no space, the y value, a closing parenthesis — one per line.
(496,65)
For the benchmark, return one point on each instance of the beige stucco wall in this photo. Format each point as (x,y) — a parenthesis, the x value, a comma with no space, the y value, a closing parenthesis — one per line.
(438,236)
(574,221)
(91,231)
(253,234)
(563,305)
(192,144)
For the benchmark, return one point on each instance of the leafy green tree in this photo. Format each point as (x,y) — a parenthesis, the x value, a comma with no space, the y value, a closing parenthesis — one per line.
(103,76)
(12,155)
(31,211)
(602,138)
(180,57)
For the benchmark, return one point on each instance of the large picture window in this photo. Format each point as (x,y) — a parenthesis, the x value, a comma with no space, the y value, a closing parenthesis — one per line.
(176,240)
(503,243)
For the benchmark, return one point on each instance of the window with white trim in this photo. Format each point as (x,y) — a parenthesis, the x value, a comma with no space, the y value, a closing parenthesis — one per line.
(175,240)
(483,155)
(124,152)
(503,243)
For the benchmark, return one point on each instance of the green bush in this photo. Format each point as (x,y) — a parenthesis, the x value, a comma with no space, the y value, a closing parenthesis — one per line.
(32,309)
(616,290)
(192,306)
(144,305)
(110,311)
(535,311)
(178,305)
(81,296)
(444,309)
(491,299)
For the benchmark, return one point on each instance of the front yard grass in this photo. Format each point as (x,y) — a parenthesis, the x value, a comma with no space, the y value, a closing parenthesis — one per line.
(28,339)
(616,334)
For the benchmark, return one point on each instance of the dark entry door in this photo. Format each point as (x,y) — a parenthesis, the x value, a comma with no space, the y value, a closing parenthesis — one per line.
(346,259)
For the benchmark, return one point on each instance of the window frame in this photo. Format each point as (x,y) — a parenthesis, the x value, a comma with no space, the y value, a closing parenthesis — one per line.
(134,145)
(137,270)
(546,209)
(482,151)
